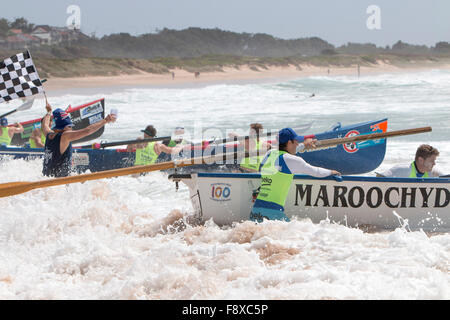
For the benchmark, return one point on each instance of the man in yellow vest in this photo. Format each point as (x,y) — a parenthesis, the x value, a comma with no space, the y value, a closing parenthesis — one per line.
(7,133)
(148,152)
(277,172)
(423,165)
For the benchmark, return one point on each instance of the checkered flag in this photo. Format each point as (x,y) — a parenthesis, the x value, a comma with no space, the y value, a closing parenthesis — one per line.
(18,77)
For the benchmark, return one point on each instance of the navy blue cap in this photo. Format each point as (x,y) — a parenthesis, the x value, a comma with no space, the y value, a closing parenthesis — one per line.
(3,122)
(62,119)
(286,134)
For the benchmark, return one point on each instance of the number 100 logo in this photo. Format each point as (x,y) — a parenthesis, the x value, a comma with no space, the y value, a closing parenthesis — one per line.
(221,192)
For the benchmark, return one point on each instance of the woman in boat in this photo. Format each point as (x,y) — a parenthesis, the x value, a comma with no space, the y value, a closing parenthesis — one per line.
(277,172)
(421,167)
(58,142)
(7,133)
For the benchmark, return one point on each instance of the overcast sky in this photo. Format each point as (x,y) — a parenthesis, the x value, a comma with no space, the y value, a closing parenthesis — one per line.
(336,21)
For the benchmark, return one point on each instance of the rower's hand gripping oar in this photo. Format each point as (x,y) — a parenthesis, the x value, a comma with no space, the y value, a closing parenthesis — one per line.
(13,188)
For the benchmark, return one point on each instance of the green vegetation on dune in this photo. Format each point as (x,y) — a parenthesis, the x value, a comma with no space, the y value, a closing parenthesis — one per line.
(207,50)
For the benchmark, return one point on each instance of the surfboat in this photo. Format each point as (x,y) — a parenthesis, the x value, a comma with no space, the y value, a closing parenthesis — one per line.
(354,201)
(354,158)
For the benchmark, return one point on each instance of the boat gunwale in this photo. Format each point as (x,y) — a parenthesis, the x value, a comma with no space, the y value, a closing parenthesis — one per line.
(306,177)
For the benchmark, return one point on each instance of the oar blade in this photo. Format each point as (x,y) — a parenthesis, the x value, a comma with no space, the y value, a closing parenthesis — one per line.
(27,105)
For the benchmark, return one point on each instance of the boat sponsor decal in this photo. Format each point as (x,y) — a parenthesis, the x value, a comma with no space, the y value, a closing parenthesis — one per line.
(220,192)
(76,120)
(354,147)
(91,110)
(80,159)
(309,195)
(351,147)
(94,119)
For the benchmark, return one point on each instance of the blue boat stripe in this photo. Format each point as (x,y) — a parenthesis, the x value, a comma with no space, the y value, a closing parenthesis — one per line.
(344,178)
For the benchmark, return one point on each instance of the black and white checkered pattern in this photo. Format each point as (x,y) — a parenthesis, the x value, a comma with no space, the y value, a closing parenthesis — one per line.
(18,77)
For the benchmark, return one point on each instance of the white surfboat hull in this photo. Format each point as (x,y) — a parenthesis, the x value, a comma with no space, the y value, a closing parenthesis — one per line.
(355,201)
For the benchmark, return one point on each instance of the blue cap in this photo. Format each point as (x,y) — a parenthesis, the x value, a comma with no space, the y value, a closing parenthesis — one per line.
(286,134)
(62,119)
(3,122)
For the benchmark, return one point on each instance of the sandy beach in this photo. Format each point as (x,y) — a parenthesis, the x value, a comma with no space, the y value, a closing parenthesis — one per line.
(229,75)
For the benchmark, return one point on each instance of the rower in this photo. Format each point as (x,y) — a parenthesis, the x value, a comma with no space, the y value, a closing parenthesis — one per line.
(178,138)
(421,167)
(7,133)
(37,138)
(253,145)
(277,172)
(148,153)
(58,142)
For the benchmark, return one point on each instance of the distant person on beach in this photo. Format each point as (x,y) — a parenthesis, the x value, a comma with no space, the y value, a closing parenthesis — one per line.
(7,133)
(58,142)
(277,172)
(197,74)
(148,152)
(421,167)
(173,75)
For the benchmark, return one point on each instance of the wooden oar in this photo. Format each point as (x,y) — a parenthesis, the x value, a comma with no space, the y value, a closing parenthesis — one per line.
(240,138)
(121,143)
(371,136)
(221,141)
(13,188)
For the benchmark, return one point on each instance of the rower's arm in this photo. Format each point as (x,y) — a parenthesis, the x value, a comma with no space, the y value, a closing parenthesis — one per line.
(159,147)
(299,166)
(46,120)
(17,129)
(70,136)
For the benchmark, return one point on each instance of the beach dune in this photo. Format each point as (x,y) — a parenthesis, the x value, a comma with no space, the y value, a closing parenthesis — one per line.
(179,77)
